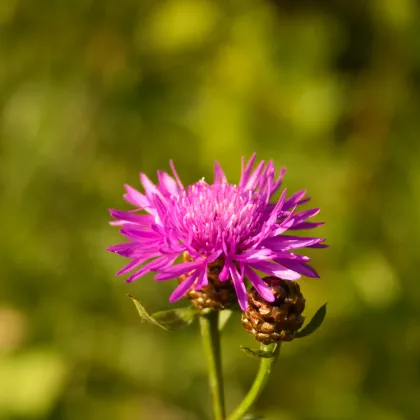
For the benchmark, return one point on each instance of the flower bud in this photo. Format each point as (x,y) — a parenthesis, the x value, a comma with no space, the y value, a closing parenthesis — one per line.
(270,322)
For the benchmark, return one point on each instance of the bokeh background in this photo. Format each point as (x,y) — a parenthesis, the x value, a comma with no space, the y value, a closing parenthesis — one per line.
(92,92)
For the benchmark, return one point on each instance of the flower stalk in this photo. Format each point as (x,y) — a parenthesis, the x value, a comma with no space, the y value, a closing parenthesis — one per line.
(266,365)
(209,327)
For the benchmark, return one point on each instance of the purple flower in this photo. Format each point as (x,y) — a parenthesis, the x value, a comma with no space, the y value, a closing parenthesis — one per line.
(208,221)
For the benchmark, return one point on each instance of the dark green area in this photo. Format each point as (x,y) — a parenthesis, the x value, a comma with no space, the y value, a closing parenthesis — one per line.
(92,92)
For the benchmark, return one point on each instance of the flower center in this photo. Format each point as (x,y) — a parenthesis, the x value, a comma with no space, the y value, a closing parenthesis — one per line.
(219,214)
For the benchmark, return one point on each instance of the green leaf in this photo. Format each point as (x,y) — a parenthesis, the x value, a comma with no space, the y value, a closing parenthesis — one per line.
(224,318)
(252,417)
(175,319)
(171,320)
(260,354)
(314,323)
(144,315)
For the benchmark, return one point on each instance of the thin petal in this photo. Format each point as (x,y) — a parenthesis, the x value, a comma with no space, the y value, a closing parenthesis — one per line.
(119,223)
(135,197)
(154,265)
(219,175)
(283,228)
(299,267)
(267,228)
(121,247)
(224,274)
(290,256)
(239,284)
(150,189)
(293,200)
(266,179)
(289,216)
(178,270)
(133,250)
(275,212)
(278,182)
(134,232)
(161,206)
(276,270)
(132,264)
(178,180)
(285,242)
(183,287)
(306,225)
(202,280)
(260,285)
(303,201)
(213,256)
(129,217)
(246,171)
(254,178)
(318,245)
(256,255)
(167,184)
(307,214)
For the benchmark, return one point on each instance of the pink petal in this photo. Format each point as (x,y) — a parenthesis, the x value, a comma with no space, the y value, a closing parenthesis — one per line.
(318,245)
(202,278)
(286,242)
(260,285)
(219,175)
(299,267)
(307,214)
(246,171)
(133,250)
(129,217)
(178,270)
(293,200)
(154,265)
(224,274)
(276,270)
(148,186)
(132,264)
(178,180)
(135,197)
(256,255)
(183,287)
(278,182)
(167,184)
(239,284)
(135,232)
(255,177)
(306,225)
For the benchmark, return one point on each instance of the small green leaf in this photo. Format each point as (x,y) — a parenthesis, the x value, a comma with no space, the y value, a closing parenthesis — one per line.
(261,354)
(170,320)
(175,319)
(314,323)
(144,315)
(252,417)
(224,318)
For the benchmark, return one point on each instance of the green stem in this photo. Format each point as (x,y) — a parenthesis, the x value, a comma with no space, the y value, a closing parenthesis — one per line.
(209,326)
(260,382)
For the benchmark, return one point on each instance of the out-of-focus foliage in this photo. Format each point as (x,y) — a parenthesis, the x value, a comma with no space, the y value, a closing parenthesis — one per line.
(92,92)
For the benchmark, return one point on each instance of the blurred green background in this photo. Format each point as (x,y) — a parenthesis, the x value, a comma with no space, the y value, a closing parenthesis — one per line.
(92,92)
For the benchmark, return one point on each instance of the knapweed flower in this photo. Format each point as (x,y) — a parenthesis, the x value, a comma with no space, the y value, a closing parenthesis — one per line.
(221,220)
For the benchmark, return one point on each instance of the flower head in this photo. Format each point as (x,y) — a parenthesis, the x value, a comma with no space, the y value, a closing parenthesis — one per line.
(209,221)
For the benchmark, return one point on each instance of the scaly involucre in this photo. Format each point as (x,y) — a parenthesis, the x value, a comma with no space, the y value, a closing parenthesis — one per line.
(208,221)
